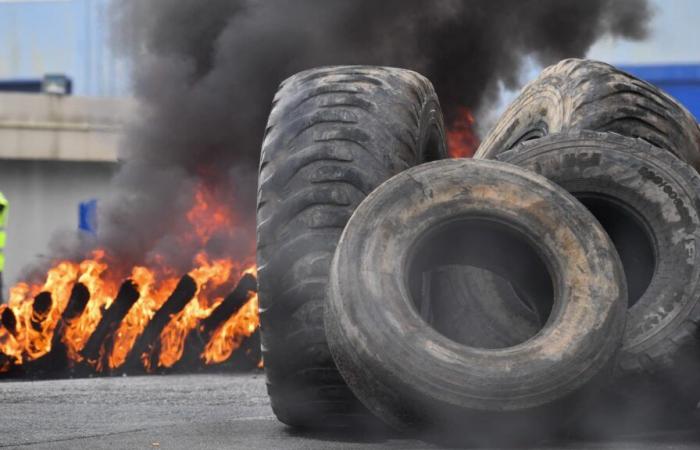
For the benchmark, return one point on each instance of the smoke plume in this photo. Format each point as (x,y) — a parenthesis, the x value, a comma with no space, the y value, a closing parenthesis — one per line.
(205,74)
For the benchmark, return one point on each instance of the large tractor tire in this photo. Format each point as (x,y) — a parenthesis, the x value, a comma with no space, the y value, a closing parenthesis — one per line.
(578,94)
(647,201)
(503,219)
(334,134)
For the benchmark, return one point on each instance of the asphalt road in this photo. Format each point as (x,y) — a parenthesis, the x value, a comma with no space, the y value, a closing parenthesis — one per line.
(190,412)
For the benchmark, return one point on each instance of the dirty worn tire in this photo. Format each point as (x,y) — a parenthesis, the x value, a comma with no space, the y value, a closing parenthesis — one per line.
(477,307)
(413,377)
(334,134)
(578,94)
(647,200)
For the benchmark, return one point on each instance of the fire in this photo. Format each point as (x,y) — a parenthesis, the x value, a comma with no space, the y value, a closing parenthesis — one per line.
(208,277)
(29,341)
(152,296)
(208,216)
(230,335)
(462,141)
(102,293)
(33,334)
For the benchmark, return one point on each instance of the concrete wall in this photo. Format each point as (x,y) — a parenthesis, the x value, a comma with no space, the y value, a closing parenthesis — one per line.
(44,198)
(49,127)
(54,153)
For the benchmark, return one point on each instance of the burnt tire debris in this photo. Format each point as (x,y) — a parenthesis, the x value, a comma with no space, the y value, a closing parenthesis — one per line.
(334,135)
(547,288)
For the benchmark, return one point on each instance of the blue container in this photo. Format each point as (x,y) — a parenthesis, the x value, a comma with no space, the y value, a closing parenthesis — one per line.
(681,81)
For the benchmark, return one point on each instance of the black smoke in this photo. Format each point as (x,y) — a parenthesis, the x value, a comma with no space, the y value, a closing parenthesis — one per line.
(205,73)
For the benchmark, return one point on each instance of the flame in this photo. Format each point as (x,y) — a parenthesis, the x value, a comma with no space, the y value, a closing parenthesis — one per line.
(208,277)
(214,278)
(29,343)
(102,294)
(229,336)
(462,141)
(152,295)
(208,216)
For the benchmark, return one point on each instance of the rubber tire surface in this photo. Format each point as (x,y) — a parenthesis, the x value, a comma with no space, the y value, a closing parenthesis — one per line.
(413,377)
(334,134)
(663,193)
(578,94)
(477,307)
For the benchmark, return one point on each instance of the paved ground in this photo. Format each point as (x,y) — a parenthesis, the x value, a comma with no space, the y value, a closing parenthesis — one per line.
(188,412)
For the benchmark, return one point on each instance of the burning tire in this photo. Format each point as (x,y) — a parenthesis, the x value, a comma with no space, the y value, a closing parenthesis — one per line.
(500,218)
(647,201)
(580,94)
(334,134)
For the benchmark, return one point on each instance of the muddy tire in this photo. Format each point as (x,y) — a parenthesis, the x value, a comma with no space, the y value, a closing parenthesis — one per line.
(647,201)
(578,94)
(501,218)
(334,134)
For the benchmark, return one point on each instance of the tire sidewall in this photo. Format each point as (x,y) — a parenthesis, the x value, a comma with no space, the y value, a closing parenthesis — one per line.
(405,371)
(662,192)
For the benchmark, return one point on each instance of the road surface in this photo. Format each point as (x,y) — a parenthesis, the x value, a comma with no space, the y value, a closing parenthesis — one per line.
(190,412)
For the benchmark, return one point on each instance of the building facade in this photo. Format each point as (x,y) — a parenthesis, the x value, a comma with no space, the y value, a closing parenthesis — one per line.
(55,152)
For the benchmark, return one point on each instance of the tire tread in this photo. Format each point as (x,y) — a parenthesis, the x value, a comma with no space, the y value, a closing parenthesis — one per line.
(334,134)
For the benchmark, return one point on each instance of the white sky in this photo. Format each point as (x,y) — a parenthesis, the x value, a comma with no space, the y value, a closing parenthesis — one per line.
(67,36)
(674,38)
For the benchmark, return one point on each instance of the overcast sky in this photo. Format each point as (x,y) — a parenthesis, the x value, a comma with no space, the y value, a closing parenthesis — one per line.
(68,36)
(675,37)
(59,36)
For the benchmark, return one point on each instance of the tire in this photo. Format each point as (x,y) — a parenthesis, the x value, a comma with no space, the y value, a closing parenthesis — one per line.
(334,134)
(578,94)
(413,377)
(647,200)
(477,307)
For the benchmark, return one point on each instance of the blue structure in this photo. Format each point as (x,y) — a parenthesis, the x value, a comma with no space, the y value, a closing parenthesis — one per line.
(56,84)
(87,216)
(33,86)
(679,81)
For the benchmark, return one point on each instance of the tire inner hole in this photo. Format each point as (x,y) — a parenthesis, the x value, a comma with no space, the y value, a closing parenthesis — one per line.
(480,282)
(630,238)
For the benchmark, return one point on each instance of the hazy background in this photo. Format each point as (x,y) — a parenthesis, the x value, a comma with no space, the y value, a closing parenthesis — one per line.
(70,36)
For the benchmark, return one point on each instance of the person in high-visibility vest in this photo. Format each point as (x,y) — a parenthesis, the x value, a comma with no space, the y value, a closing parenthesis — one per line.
(4,207)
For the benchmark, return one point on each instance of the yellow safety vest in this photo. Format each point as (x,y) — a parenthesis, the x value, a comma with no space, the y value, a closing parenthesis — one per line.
(3,223)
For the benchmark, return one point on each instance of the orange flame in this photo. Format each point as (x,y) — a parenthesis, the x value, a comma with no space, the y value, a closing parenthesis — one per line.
(208,277)
(152,295)
(462,141)
(29,343)
(155,284)
(207,216)
(102,294)
(229,336)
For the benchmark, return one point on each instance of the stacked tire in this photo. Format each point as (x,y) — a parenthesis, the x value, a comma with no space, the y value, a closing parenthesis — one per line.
(630,153)
(487,301)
